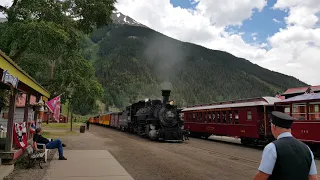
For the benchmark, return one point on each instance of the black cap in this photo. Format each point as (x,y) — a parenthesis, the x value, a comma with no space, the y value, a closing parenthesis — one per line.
(281,119)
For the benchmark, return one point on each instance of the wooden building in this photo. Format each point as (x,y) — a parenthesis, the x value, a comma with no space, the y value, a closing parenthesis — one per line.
(17,82)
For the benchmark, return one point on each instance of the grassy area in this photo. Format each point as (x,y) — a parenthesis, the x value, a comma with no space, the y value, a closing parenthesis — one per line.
(55,135)
(75,125)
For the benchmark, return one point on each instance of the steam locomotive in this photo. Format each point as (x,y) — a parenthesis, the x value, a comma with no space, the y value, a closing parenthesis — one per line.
(154,119)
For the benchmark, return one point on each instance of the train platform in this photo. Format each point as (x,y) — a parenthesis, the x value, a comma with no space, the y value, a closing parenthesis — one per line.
(86,165)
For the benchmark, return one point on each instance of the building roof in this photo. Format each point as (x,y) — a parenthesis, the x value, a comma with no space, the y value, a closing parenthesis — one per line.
(303,97)
(250,102)
(301,90)
(21,100)
(8,64)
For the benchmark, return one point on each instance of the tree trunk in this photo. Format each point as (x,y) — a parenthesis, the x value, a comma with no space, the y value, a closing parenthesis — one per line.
(52,70)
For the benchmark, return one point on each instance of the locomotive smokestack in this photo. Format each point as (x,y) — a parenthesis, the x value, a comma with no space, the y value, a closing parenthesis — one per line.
(165,95)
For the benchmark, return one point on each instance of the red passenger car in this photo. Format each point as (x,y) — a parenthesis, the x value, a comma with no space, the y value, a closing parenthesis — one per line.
(248,119)
(305,110)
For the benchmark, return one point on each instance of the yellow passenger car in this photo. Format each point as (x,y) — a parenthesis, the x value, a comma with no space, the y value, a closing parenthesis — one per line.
(105,119)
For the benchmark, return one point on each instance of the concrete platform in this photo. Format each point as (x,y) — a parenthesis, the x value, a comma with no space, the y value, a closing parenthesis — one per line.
(5,170)
(86,164)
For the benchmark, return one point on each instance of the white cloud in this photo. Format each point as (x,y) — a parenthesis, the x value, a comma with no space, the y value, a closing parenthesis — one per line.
(229,12)
(275,20)
(294,50)
(5,3)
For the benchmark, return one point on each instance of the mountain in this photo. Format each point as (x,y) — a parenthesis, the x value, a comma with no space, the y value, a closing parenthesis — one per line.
(136,62)
(119,18)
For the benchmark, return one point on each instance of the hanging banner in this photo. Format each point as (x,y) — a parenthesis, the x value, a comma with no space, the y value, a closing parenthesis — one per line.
(20,135)
(7,78)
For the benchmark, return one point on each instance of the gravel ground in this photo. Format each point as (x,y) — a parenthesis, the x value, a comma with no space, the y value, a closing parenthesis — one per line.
(194,159)
(145,159)
(35,173)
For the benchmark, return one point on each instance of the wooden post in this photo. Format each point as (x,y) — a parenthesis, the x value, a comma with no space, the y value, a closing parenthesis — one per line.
(12,107)
(35,118)
(71,122)
(26,114)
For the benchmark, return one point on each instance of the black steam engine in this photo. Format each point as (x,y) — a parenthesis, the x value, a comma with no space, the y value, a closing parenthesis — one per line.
(155,119)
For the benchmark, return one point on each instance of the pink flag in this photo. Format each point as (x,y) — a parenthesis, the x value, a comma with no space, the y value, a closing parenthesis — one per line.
(54,107)
(56,114)
(52,103)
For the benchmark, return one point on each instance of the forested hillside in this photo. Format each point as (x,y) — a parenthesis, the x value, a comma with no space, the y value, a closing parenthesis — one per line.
(134,63)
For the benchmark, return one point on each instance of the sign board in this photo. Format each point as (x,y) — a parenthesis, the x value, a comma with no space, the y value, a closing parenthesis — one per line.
(7,78)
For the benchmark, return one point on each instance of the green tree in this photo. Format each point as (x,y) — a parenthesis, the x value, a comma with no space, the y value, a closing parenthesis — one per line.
(44,37)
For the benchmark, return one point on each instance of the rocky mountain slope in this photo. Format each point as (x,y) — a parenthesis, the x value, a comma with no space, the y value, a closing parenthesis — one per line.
(134,62)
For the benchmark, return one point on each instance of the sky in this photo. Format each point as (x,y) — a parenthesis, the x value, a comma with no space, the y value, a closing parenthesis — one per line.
(280,35)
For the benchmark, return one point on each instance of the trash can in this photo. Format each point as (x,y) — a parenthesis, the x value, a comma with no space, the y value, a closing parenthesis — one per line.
(82,129)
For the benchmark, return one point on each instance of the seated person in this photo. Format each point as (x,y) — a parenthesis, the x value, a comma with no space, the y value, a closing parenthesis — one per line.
(37,138)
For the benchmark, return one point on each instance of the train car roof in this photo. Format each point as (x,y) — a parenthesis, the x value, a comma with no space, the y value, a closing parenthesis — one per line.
(301,98)
(267,101)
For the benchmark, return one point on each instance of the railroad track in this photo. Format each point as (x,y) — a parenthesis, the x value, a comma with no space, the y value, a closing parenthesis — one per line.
(236,159)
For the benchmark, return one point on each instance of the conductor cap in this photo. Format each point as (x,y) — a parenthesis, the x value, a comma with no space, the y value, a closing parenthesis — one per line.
(281,119)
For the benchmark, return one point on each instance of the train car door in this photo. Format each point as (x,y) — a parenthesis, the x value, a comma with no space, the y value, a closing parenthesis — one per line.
(268,120)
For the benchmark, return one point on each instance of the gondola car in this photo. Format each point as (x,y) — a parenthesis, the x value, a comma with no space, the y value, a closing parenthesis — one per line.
(247,119)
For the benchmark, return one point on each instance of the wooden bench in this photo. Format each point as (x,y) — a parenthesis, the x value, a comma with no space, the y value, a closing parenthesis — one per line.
(36,156)
(40,156)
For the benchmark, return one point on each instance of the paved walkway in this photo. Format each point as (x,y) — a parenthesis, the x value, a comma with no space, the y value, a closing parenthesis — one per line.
(86,164)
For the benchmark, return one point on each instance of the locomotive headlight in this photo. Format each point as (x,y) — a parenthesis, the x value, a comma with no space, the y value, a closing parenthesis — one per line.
(171,102)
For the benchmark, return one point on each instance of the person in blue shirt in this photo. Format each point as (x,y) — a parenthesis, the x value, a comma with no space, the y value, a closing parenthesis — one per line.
(286,158)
